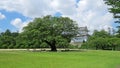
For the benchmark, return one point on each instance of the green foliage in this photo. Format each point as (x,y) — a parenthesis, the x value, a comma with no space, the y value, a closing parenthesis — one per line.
(101,33)
(7,39)
(115,9)
(62,42)
(54,31)
(71,46)
(44,45)
(102,40)
(103,43)
(41,33)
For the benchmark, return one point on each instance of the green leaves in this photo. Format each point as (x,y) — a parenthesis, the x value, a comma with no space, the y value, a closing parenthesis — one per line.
(103,43)
(8,39)
(102,40)
(115,9)
(51,30)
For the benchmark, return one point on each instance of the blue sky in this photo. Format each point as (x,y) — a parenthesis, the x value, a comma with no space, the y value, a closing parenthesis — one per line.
(9,16)
(15,14)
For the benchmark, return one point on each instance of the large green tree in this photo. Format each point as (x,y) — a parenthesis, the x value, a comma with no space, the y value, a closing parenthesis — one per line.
(53,31)
(115,9)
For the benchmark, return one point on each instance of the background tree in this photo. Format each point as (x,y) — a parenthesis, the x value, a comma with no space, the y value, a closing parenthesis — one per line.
(102,40)
(7,39)
(51,30)
(97,34)
(115,9)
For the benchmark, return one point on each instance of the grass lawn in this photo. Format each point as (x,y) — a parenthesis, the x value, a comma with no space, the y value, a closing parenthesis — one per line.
(87,59)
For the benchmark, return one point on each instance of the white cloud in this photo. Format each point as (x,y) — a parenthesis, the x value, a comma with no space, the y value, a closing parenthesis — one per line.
(91,13)
(94,14)
(29,8)
(19,24)
(2,16)
(38,8)
(66,7)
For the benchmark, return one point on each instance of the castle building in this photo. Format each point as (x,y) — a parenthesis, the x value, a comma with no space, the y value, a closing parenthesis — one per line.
(81,37)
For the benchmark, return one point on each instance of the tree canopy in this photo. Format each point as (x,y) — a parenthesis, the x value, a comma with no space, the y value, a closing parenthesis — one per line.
(115,9)
(53,31)
(8,39)
(102,40)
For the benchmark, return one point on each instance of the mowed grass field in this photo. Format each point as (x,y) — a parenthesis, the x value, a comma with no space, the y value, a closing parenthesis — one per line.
(84,59)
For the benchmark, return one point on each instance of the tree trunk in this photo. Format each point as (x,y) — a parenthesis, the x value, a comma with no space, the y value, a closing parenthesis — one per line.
(52,45)
(113,46)
(96,47)
(53,48)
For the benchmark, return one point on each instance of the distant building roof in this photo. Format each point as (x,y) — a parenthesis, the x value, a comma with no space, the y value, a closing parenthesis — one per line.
(82,36)
(83,31)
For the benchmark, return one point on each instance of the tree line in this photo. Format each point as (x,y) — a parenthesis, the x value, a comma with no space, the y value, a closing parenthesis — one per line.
(102,40)
(56,32)
(42,32)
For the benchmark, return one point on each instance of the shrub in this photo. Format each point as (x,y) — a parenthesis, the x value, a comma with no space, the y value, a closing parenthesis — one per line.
(102,43)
